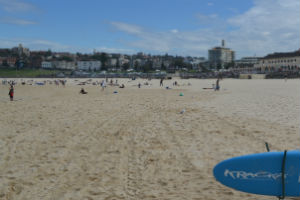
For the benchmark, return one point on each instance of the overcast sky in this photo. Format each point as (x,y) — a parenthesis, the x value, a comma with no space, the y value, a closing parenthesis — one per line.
(176,27)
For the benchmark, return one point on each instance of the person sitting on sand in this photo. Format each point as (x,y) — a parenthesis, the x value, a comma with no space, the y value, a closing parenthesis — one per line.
(122,86)
(82,91)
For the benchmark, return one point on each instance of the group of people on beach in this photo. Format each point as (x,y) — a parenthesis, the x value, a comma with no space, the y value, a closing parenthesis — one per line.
(102,84)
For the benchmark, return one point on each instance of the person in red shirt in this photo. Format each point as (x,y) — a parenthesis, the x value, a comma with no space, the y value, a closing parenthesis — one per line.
(11,93)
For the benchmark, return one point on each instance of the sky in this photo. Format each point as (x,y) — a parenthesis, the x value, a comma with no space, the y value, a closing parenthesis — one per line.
(157,27)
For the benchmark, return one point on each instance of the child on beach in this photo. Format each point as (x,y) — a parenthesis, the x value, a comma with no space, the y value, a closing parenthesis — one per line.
(11,93)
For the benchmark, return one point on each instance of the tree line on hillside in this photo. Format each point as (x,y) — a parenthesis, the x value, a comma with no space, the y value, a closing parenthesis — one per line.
(138,62)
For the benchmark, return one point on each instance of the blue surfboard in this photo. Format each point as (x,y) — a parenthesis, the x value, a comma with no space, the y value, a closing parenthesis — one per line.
(262,173)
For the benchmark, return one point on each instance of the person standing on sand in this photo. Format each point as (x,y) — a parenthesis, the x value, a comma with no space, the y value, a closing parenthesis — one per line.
(161,82)
(103,85)
(217,85)
(285,77)
(11,92)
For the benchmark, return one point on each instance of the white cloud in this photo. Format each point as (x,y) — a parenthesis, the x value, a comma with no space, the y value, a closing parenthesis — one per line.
(182,43)
(41,44)
(207,19)
(174,31)
(45,44)
(129,28)
(210,4)
(114,50)
(16,6)
(16,21)
(34,44)
(268,26)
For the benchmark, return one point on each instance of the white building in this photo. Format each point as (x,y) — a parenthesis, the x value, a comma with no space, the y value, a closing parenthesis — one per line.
(220,56)
(280,62)
(64,65)
(89,65)
(113,62)
(123,60)
(20,50)
(46,65)
(246,62)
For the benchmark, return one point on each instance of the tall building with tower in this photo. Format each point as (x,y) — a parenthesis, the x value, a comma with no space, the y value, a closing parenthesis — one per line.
(20,50)
(219,57)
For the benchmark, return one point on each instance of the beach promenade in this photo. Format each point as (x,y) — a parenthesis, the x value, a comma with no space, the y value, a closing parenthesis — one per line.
(145,143)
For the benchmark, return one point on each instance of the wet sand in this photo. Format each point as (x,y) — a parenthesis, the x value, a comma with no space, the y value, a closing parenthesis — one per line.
(148,143)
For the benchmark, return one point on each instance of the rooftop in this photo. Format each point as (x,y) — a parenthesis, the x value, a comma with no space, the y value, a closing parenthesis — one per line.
(281,54)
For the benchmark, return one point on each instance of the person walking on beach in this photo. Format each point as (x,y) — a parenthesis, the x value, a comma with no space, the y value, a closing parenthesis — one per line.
(11,92)
(217,85)
(103,85)
(161,82)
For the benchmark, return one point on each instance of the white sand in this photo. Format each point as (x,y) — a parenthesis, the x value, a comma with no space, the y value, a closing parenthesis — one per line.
(58,144)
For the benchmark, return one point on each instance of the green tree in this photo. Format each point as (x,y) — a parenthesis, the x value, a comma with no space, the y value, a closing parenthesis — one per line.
(219,66)
(136,66)
(148,66)
(66,58)
(5,64)
(229,65)
(178,61)
(125,66)
(49,53)
(118,64)
(163,67)
(104,59)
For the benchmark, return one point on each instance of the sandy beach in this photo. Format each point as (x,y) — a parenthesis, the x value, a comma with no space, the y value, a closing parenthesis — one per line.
(143,143)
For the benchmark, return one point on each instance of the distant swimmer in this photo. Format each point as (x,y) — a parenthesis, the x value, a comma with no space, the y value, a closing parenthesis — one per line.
(11,92)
